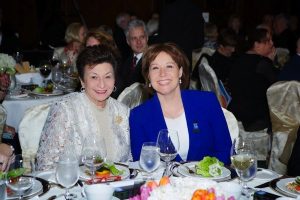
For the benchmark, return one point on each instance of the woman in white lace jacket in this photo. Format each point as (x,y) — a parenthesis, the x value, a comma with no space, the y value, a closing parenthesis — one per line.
(91,112)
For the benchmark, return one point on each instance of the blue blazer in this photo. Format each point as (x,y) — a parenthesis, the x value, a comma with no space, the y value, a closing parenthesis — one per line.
(208,131)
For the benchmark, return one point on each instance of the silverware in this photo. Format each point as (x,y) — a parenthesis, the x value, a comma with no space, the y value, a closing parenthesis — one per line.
(55,196)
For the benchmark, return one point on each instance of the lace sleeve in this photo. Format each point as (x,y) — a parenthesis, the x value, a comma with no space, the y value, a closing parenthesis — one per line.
(53,137)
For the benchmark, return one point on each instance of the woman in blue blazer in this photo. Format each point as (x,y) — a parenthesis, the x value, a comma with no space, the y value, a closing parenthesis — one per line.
(197,116)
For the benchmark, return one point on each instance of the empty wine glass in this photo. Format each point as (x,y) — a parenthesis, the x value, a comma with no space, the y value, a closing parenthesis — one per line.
(168,143)
(149,158)
(56,76)
(93,154)
(45,69)
(243,159)
(67,172)
(16,182)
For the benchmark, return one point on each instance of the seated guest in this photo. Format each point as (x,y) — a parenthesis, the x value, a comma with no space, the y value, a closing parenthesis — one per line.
(293,167)
(251,75)
(197,116)
(96,37)
(91,112)
(74,38)
(222,60)
(291,71)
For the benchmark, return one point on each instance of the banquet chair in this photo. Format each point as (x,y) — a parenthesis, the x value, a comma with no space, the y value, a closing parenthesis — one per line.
(284,105)
(232,124)
(30,130)
(197,54)
(133,95)
(209,82)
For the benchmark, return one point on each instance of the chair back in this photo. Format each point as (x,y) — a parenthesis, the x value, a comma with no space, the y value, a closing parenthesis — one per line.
(232,124)
(284,105)
(133,95)
(3,115)
(30,130)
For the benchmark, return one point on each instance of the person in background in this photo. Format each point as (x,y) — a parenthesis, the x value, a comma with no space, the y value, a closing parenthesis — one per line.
(196,115)
(137,39)
(74,38)
(210,36)
(6,150)
(291,70)
(235,24)
(251,75)
(91,112)
(122,21)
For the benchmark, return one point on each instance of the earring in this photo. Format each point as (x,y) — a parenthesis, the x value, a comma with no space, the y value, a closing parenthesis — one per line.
(149,85)
(180,81)
(115,89)
(82,89)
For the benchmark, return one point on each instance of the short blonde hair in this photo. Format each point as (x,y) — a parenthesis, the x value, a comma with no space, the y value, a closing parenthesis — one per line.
(72,32)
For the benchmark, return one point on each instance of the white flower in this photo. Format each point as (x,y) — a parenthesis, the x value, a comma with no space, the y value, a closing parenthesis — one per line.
(6,62)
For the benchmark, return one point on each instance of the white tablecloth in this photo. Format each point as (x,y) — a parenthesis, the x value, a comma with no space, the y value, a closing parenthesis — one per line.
(16,108)
(78,190)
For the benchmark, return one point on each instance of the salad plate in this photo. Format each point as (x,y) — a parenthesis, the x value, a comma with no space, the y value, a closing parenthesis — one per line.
(36,188)
(183,170)
(54,93)
(281,187)
(85,176)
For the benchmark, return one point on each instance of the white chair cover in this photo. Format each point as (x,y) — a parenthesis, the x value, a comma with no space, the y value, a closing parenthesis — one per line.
(197,54)
(282,56)
(3,115)
(284,104)
(231,123)
(133,95)
(30,130)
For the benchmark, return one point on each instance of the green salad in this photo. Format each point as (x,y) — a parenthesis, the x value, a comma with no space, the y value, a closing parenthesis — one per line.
(12,173)
(209,167)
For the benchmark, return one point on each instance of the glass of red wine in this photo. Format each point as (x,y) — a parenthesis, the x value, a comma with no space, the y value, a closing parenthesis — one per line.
(45,70)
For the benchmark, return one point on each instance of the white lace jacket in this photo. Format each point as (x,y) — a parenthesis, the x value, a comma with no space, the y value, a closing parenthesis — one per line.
(72,119)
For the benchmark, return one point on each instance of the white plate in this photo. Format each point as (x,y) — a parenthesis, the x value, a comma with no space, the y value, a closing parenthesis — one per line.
(84,176)
(263,174)
(35,189)
(281,185)
(47,175)
(184,171)
(54,93)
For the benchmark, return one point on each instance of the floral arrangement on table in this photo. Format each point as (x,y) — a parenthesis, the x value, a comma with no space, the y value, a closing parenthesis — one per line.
(7,64)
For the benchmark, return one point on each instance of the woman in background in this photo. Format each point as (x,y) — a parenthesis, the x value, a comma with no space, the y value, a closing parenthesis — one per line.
(197,116)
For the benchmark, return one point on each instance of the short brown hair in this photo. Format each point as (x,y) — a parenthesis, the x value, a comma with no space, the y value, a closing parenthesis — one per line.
(176,54)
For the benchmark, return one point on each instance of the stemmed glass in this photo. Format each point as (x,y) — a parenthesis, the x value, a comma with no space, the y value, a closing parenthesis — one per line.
(56,76)
(243,158)
(16,181)
(149,158)
(93,154)
(168,143)
(67,172)
(45,70)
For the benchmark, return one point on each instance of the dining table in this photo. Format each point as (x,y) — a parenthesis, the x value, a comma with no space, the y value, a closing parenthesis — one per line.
(263,182)
(16,105)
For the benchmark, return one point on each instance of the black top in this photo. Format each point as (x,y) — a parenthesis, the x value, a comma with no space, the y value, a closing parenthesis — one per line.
(250,77)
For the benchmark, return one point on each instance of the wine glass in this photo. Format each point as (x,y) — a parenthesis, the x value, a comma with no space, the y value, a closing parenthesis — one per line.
(93,154)
(56,76)
(45,70)
(168,143)
(243,159)
(149,158)
(16,182)
(67,173)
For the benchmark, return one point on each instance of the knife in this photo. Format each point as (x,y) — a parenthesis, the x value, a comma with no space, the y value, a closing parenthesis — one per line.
(267,184)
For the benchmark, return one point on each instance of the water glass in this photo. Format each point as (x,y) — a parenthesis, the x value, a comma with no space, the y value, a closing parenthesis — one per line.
(2,189)
(149,157)
(67,173)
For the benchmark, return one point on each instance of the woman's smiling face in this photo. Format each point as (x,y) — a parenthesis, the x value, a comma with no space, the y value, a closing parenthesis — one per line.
(99,82)
(164,74)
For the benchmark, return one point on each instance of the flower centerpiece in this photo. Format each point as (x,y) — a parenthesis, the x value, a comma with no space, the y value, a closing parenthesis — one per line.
(7,64)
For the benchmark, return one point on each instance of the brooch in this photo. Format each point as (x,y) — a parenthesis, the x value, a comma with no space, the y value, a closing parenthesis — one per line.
(118,119)
(196,127)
